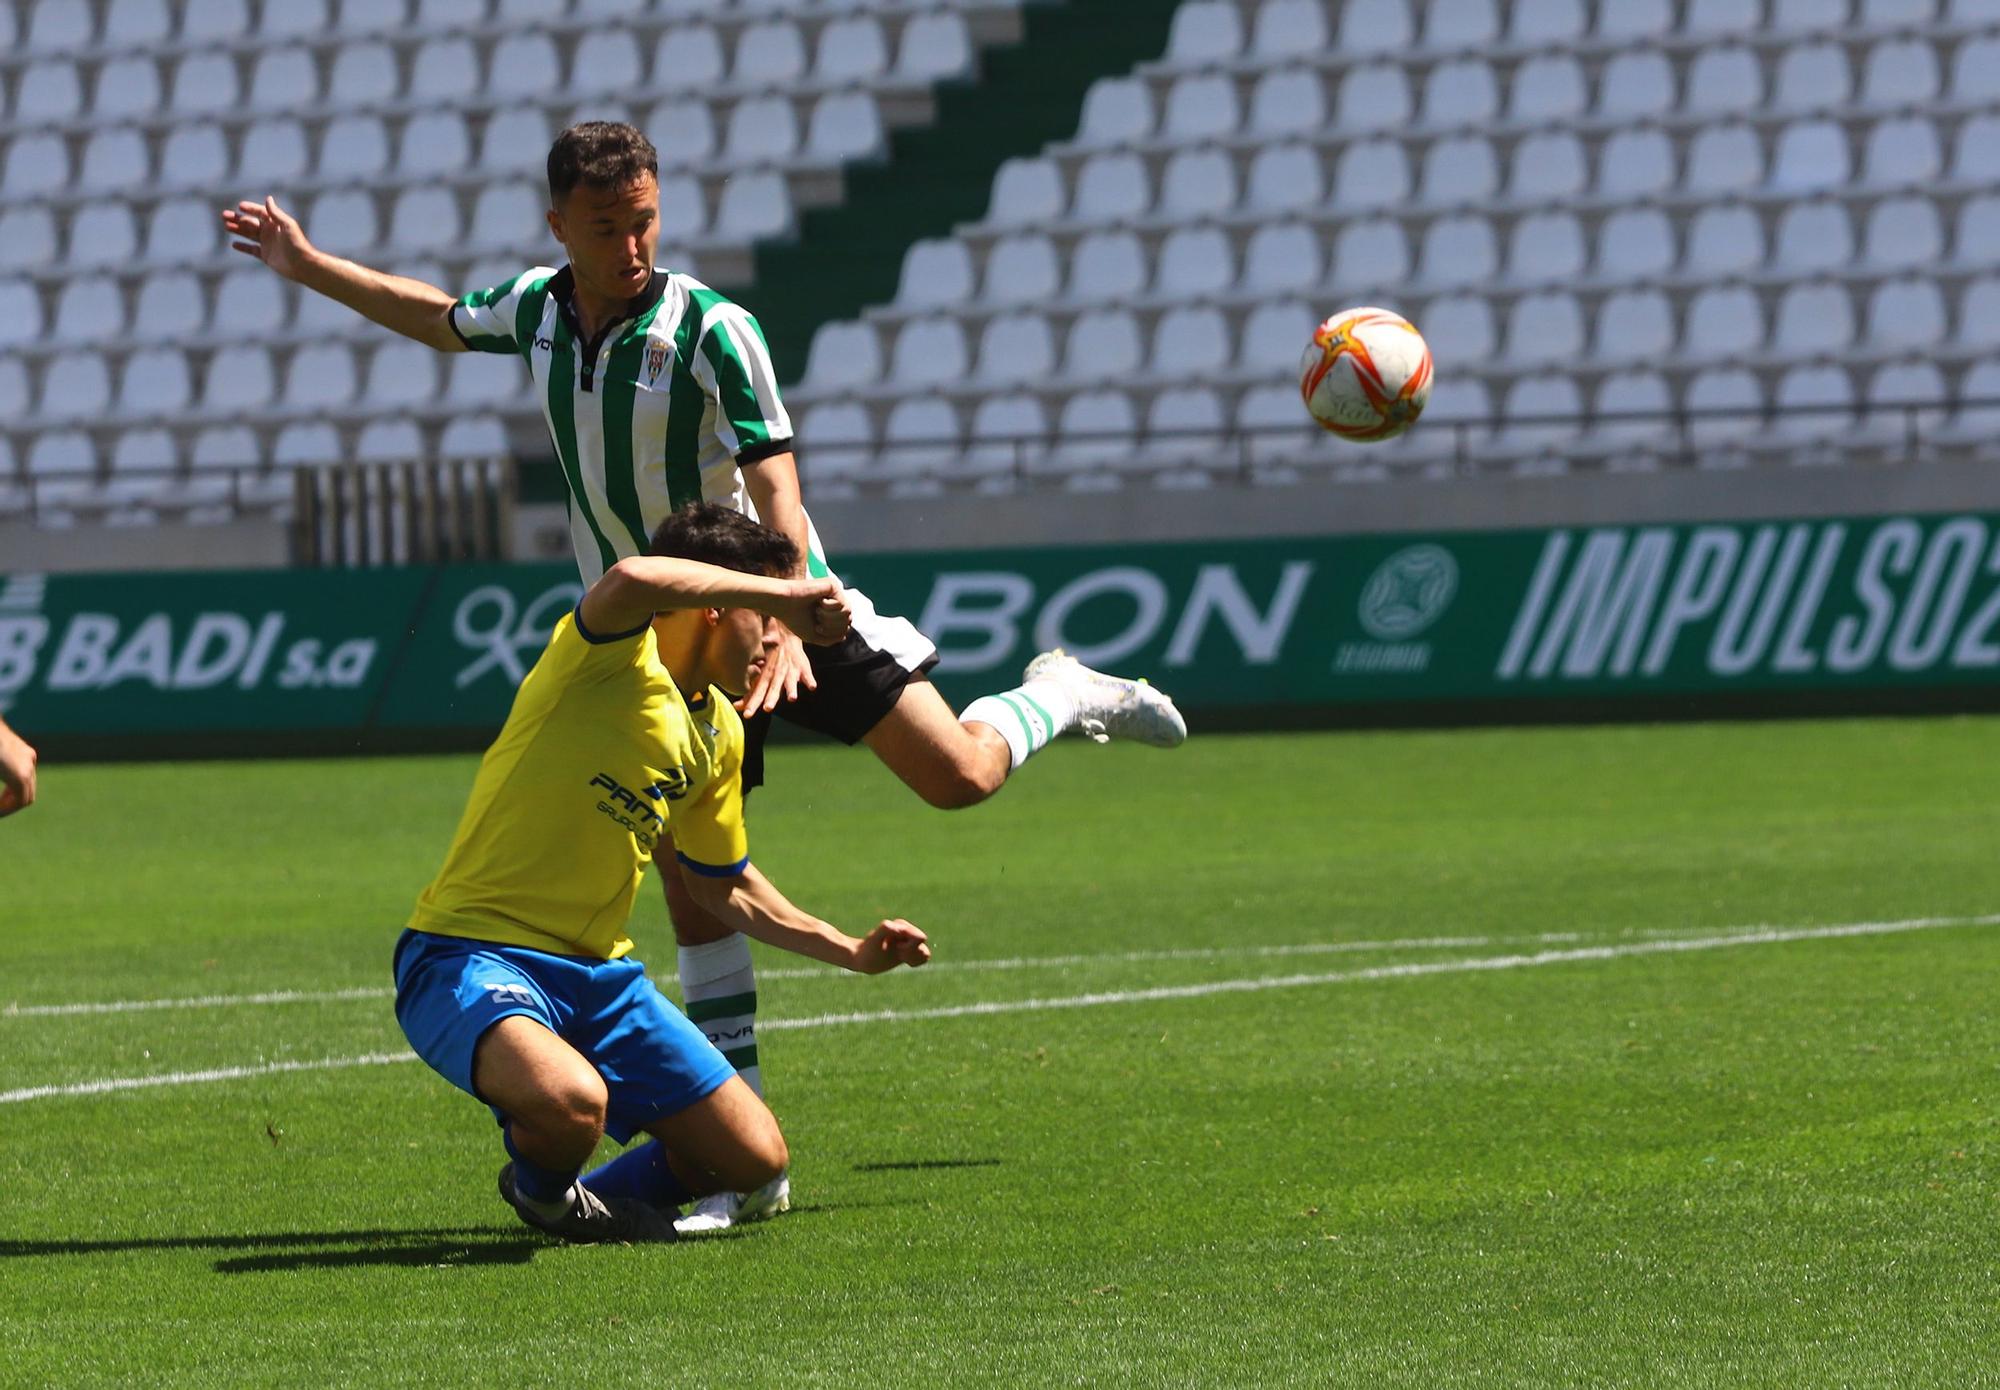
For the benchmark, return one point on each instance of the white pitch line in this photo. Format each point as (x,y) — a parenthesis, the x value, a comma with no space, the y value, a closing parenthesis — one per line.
(1406,970)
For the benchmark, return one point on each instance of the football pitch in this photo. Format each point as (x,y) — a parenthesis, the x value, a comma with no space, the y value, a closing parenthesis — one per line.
(1650,1056)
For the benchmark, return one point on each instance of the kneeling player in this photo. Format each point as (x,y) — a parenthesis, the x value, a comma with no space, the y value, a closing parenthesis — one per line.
(514,980)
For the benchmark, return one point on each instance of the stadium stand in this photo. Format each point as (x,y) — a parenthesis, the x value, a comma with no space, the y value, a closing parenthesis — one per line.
(1637,233)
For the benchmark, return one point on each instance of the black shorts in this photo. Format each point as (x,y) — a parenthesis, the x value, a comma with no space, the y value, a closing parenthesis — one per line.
(858,685)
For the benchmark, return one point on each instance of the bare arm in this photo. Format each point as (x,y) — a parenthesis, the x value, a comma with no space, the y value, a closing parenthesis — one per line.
(636,588)
(17,771)
(410,307)
(773,484)
(752,904)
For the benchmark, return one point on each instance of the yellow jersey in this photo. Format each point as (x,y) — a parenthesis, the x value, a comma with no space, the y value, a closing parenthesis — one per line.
(600,756)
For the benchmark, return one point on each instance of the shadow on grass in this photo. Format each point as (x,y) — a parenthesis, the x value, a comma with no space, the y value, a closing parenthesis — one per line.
(917,1165)
(280,1250)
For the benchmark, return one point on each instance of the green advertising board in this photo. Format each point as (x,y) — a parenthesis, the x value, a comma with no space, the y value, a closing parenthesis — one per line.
(1354,626)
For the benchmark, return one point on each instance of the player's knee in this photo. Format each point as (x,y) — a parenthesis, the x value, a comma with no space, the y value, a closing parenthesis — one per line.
(958,783)
(577,1107)
(766,1159)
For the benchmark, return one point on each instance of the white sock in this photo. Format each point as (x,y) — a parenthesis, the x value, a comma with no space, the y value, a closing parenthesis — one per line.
(548,1209)
(1029,717)
(720,989)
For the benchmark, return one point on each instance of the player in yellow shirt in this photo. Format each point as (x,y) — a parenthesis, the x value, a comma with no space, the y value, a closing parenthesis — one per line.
(515,980)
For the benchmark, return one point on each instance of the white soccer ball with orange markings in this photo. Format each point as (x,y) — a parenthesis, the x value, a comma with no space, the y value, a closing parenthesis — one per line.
(1366,375)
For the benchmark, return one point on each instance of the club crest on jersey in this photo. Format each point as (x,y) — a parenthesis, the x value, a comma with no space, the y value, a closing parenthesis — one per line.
(656,361)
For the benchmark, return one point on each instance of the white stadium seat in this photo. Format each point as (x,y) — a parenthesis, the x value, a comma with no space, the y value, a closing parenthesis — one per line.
(1546,246)
(1723,239)
(684,213)
(75,385)
(272,151)
(1814,236)
(1009,434)
(1635,242)
(844,354)
(845,126)
(524,65)
(90,309)
(284,79)
(389,441)
(837,438)
(936,271)
(1900,72)
(1462,92)
(170,307)
(353,147)
(1812,77)
(1462,169)
(516,140)
(479,378)
(1194,261)
(1287,101)
(57,25)
(921,436)
(1903,232)
(1976,237)
(1637,393)
(1102,344)
(1459,328)
(1545,327)
(248,303)
(321,374)
(146,450)
(1284,176)
(1374,98)
(1198,183)
(1112,187)
(1372,174)
(194,154)
(769,53)
(1451,24)
(754,205)
(928,350)
(1906,313)
(204,81)
(103,234)
(1813,318)
(473,436)
(20,313)
(184,229)
(1203,32)
(134,23)
(506,215)
(1550,165)
(1975,72)
(425,218)
(1548,87)
(126,86)
(933,47)
(1372,26)
(294,17)
(238,378)
(1016,347)
(1290,27)
(48,92)
(1637,82)
(1283,256)
(307,442)
(1201,106)
(434,142)
(1825,395)
(27,236)
(1723,159)
(1095,428)
(214,20)
(445,69)
(1185,426)
(1107,265)
(1374,251)
(1723,79)
(154,382)
(1903,151)
(687,58)
(1458,250)
(762,130)
(684,131)
(1635,163)
(58,452)
(1811,155)
(1723,321)
(851,49)
(1026,191)
(1635,325)
(1979,314)
(37,163)
(114,157)
(1191,341)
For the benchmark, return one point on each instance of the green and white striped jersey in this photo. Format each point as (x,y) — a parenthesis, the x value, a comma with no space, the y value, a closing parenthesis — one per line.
(660,411)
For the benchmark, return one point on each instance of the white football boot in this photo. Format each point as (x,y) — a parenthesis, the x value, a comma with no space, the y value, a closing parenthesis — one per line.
(1109,707)
(720,1210)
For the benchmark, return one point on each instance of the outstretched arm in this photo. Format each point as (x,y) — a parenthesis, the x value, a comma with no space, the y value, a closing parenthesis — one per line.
(637,587)
(410,307)
(773,484)
(752,904)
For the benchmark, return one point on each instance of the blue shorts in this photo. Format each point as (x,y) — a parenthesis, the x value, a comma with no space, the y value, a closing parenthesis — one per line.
(450,990)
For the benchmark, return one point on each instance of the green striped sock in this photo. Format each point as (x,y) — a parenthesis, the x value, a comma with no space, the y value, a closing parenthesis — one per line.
(1029,717)
(720,988)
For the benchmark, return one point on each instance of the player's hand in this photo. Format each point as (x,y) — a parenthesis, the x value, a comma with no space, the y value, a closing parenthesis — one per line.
(270,234)
(17,772)
(782,675)
(816,609)
(893,943)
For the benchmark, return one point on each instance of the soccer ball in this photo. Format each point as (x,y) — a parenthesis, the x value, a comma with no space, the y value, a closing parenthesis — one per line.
(1366,375)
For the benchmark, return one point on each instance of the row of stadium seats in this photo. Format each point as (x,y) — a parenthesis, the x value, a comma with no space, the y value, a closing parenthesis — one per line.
(691,135)
(79,27)
(509,67)
(139,451)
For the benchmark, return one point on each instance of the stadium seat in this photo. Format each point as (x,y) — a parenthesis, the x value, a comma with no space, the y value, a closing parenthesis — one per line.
(1979,314)
(20,313)
(343,220)
(936,271)
(1372,174)
(75,385)
(762,130)
(248,303)
(836,441)
(1283,256)
(474,437)
(170,307)
(1725,239)
(1975,71)
(1461,92)
(1902,151)
(353,147)
(1102,344)
(1804,16)
(684,212)
(1191,341)
(114,158)
(27,236)
(1550,165)
(1906,313)
(769,53)
(1104,265)
(445,69)
(224,446)
(1812,77)
(1545,327)
(1724,406)
(433,142)
(37,163)
(688,58)
(1287,27)
(90,309)
(1634,325)
(137,23)
(291,19)
(1900,72)
(1274,333)
(1026,191)
(48,92)
(1459,328)
(1287,101)
(1811,155)
(125,86)
(1822,396)
(1184,426)
(238,378)
(154,382)
(103,234)
(1112,187)
(1370,252)
(1547,87)
(204,82)
(389,441)
(1009,436)
(478,378)
(684,131)
(146,450)
(1015,347)
(1637,82)
(1539,413)
(1374,98)
(516,140)
(194,154)
(425,217)
(1976,235)
(1712,18)
(1723,79)
(844,354)
(1460,169)
(1366,26)
(1723,321)
(1195,261)
(59,452)
(1813,318)
(507,214)
(1546,246)
(1635,163)
(1284,177)
(1458,251)
(851,49)
(14,393)
(754,205)
(273,152)
(605,61)
(1643,396)
(928,350)
(523,65)
(1633,243)
(1903,232)
(1204,32)
(321,374)
(1095,429)
(1198,183)
(283,79)
(933,47)
(1454,24)
(920,437)
(1814,236)
(214,20)
(845,126)
(1547,22)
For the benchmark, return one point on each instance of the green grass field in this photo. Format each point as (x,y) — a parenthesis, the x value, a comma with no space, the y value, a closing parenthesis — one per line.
(1363,1059)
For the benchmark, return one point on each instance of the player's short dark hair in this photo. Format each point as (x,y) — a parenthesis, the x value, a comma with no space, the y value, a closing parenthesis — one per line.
(603,154)
(719,535)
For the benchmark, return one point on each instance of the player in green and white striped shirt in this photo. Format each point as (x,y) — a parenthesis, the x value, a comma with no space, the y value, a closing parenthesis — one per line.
(658,392)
